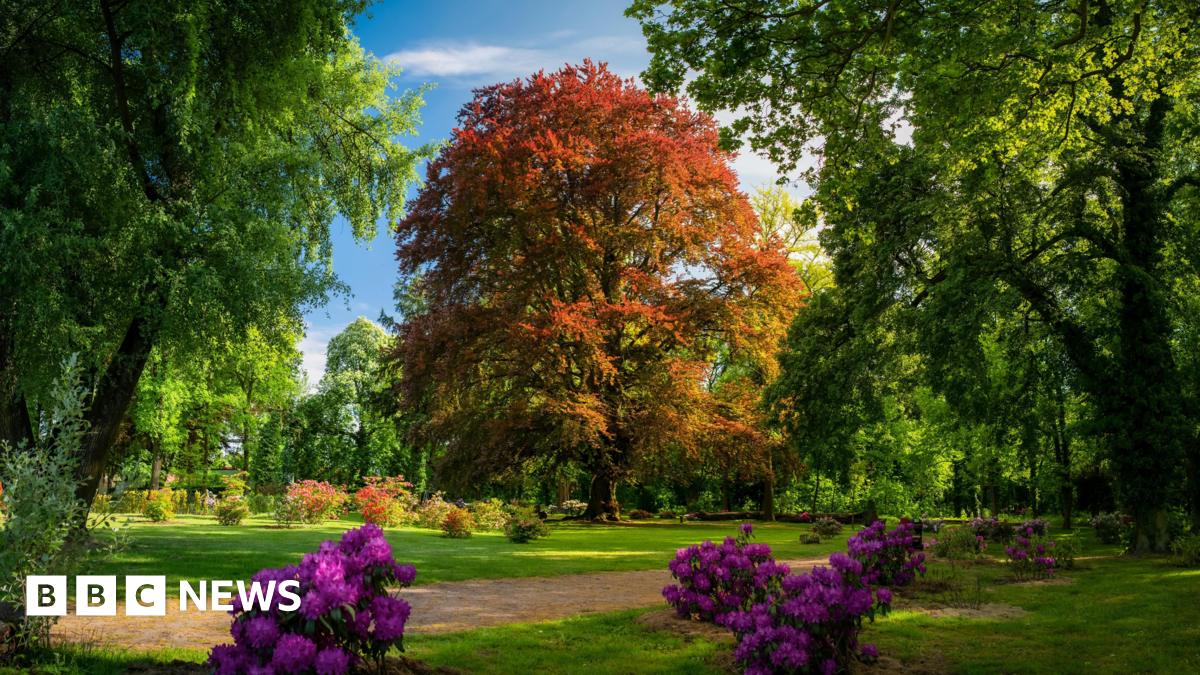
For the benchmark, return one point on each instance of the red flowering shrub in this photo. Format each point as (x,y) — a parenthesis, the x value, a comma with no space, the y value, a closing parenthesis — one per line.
(386,501)
(458,523)
(317,501)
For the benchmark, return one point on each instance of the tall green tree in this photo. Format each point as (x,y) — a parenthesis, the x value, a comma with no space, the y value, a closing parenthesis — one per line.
(169,177)
(1052,166)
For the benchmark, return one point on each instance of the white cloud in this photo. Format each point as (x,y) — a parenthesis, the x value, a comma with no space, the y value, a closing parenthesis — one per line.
(468,60)
(312,347)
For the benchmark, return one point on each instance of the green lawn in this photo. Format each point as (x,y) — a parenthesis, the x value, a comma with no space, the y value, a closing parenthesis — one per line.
(196,547)
(1114,614)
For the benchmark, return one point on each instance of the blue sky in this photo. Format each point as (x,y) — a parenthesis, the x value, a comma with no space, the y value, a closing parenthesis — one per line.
(456,46)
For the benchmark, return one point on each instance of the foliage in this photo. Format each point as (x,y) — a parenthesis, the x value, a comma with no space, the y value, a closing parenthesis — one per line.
(999,182)
(958,543)
(287,510)
(387,501)
(347,612)
(991,529)
(564,259)
(1065,552)
(432,511)
(39,508)
(717,579)
(458,523)
(1109,527)
(489,514)
(159,505)
(1037,526)
(827,527)
(810,538)
(640,514)
(232,510)
(318,501)
(888,558)
(524,526)
(209,151)
(1031,556)
(1186,550)
(573,507)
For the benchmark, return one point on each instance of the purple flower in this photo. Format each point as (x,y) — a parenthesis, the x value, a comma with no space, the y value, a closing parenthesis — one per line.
(870,652)
(294,654)
(390,616)
(261,632)
(747,528)
(884,596)
(332,661)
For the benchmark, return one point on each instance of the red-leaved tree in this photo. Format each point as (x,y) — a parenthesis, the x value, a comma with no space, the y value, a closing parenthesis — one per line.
(583,254)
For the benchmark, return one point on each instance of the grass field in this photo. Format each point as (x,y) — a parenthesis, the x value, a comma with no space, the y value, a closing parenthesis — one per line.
(1112,613)
(196,547)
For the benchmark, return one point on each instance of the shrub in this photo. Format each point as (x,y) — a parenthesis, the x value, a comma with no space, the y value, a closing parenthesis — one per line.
(640,514)
(260,503)
(1187,550)
(159,506)
(1038,525)
(131,501)
(887,558)
(102,504)
(810,538)
(287,511)
(991,529)
(1030,556)
(318,501)
(1109,528)
(811,624)
(714,580)
(827,527)
(432,512)
(524,526)
(1065,552)
(958,543)
(346,614)
(458,523)
(805,517)
(668,514)
(232,510)
(489,514)
(385,501)
(573,507)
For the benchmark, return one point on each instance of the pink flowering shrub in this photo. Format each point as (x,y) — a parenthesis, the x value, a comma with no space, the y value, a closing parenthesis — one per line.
(716,579)
(316,500)
(386,501)
(1031,556)
(887,558)
(991,529)
(345,616)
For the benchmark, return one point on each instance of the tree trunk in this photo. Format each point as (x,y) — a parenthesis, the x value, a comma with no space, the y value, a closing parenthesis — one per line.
(602,502)
(156,468)
(113,394)
(768,496)
(1062,455)
(1193,484)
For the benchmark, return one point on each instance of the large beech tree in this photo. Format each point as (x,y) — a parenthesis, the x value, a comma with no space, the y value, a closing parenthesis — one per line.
(584,255)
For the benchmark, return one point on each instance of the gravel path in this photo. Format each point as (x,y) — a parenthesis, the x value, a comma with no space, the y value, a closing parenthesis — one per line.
(437,608)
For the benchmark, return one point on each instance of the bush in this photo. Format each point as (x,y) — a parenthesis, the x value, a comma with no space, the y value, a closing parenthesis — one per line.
(573,507)
(714,580)
(385,501)
(102,504)
(131,501)
(432,512)
(887,558)
(232,510)
(1065,552)
(640,514)
(958,543)
(1109,528)
(810,538)
(811,624)
(458,523)
(991,529)
(159,506)
(1031,556)
(1187,550)
(287,511)
(489,514)
(260,503)
(524,526)
(827,527)
(37,500)
(1039,526)
(347,614)
(668,514)
(318,501)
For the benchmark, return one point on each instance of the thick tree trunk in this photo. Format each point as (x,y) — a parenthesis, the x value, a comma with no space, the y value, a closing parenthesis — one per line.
(768,495)
(602,500)
(110,404)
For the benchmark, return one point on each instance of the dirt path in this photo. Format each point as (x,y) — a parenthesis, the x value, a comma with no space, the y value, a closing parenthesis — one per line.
(437,608)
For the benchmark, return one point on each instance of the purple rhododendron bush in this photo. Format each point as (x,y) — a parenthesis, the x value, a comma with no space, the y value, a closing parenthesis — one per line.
(795,623)
(346,615)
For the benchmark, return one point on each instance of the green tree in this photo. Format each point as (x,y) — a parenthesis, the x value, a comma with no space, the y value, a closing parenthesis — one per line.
(169,179)
(1052,168)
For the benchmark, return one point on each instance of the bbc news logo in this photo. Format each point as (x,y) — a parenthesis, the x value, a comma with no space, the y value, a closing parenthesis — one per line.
(146,595)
